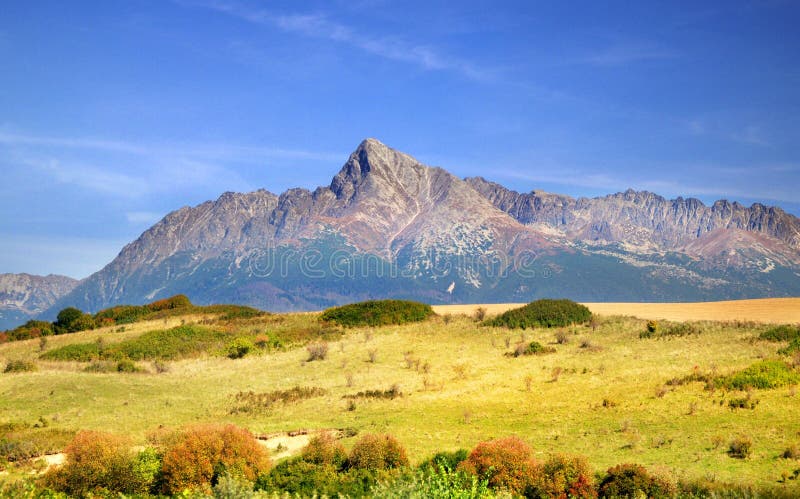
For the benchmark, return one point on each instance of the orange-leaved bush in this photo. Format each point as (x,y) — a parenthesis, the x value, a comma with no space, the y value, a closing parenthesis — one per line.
(97,462)
(324,449)
(566,476)
(377,452)
(198,455)
(507,463)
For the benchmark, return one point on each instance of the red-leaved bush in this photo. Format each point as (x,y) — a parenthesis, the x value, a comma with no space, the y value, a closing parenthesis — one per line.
(198,455)
(377,452)
(506,463)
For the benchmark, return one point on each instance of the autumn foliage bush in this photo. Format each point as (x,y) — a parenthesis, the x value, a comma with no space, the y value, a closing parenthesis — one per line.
(377,452)
(566,476)
(196,457)
(633,480)
(324,449)
(507,463)
(99,463)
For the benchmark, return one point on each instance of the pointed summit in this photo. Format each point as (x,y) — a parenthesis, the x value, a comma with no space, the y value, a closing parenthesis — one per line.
(372,157)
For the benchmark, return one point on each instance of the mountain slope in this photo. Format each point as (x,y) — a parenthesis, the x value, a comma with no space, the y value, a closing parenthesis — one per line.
(389,226)
(23,296)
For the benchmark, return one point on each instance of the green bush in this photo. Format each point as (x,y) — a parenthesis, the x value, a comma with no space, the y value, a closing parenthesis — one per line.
(532,348)
(792,347)
(506,463)
(633,480)
(543,313)
(239,347)
(171,303)
(77,352)
(304,479)
(672,329)
(122,314)
(67,317)
(378,313)
(764,374)
(19,366)
(436,483)
(783,332)
(377,452)
(169,344)
(445,460)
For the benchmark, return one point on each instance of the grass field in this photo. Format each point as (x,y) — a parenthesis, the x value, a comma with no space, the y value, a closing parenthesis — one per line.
(601,394)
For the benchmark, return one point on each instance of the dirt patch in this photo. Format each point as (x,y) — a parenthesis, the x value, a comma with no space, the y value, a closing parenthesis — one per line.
(290,443)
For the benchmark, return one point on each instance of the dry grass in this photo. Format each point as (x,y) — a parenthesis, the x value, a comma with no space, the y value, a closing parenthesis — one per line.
(767,310)
(442,410)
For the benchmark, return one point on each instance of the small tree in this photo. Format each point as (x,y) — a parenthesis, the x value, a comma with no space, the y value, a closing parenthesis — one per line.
(67,317)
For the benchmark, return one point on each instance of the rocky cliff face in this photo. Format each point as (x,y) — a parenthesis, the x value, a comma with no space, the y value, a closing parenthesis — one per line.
(645,222)
(22,296)
(388,225)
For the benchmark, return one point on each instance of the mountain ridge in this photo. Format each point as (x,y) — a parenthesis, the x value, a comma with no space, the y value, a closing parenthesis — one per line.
(432,236)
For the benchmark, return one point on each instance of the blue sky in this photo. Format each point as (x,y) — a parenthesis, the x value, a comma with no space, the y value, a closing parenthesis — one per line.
(113,113)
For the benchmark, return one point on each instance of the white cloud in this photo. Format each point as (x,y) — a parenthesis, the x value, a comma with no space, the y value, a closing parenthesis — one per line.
(320,26)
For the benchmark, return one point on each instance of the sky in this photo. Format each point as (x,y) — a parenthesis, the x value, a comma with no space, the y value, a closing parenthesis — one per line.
(114,113)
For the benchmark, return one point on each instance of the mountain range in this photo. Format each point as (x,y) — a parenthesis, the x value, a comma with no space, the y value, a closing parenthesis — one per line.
(389,226)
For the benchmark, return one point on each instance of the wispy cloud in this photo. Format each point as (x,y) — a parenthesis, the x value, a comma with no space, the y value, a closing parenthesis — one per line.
(321,26)
(751,134)
(136,169)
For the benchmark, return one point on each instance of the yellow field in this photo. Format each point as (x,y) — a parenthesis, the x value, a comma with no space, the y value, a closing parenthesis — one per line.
(768,310)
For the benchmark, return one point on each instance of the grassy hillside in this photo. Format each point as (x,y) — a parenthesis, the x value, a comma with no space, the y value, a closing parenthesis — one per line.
(443,384)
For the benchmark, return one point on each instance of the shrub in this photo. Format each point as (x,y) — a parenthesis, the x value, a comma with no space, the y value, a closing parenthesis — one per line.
(378,313)
(764,374)
(317,351)
(740,447)
(173,302)
(325,449)
(77,352)
(480,314)
(170,344)
(199,455)
(252,402)
(445,460)
(566,476)
(783,332)
(20,441)
(127,366)
(100,462)
(377,452)
(562,337)
(299,478)
(791,452)
(672,329)
(543,313)
(19,366)
(652,326)
(792,347)
(239,347)
(438,483)
(506,463)
(391,393)
(67,317)
(633,480)
(532,348)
